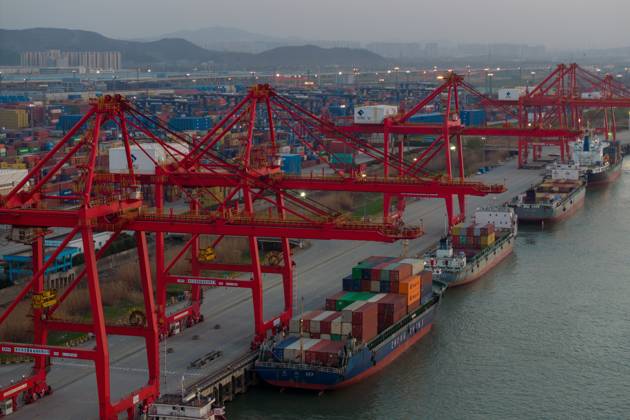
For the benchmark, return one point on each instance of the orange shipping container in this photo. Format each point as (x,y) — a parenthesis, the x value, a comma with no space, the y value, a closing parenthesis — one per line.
(410,287)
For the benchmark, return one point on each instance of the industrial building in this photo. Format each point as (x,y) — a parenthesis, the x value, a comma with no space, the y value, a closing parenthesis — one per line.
(106,60)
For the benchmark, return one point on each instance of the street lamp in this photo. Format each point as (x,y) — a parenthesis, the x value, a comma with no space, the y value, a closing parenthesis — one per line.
(30,106)
(490,76)
(302,194)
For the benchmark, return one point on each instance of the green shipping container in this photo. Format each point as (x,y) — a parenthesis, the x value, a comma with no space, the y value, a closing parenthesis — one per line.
(34,149)
(350,298)
(347,158)
(22,150)
(335,337)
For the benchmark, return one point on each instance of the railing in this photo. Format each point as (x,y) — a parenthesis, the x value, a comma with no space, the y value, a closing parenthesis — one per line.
(233,218)
(372,345)
(396,180)
(301,366)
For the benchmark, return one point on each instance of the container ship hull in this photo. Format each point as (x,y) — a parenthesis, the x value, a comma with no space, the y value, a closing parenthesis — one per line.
(379,353)
(551,212)
(599,179)
(476,268)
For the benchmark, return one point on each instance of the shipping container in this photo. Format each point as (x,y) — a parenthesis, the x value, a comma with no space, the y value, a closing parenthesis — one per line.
(291,164)
(374,114)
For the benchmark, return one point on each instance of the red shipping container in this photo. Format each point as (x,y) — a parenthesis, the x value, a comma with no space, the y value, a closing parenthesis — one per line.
(311,355)
(324,324)
(402,271)
(306,320)
(365,285)
(364,334)
(331,301)
(366,312)
(339,147)
(330,353)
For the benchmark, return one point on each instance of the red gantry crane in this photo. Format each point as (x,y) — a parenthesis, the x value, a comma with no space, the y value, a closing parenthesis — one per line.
(448,136)
(559,102)
(259,201)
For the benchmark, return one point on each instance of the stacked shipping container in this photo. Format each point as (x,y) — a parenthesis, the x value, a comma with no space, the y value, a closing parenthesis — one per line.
(473,236)
(380,292)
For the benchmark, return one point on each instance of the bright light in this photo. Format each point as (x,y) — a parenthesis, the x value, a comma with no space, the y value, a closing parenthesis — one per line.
(483,138)
(415,159)
(187,74)
(490,74)
(529,124)
(148,70)
(396,68)
(302,194)
(340,73)
(440,77)
(498,68)
(277,74)
(407,71)
(453,147)
(486,69)
(389,72)
(533,73)
(363,175)
(98,72)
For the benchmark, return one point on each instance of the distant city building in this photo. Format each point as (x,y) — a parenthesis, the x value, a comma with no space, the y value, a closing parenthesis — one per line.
(431,50)
(106,60)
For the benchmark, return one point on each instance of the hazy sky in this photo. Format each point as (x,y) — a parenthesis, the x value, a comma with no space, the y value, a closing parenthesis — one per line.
(555,23)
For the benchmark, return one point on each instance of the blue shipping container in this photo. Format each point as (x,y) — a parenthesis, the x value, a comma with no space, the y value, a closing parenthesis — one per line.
(471,117)
(292,164)
(67,121)
(190,123)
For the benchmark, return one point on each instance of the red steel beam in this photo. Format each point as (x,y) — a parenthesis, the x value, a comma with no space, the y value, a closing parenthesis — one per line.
(51,351)
(207,281)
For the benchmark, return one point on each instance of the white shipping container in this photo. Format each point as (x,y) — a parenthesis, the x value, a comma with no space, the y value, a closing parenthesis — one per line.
(511,94)
(143,160)
(9,178)
(591,95)
(417,265)
(374,114)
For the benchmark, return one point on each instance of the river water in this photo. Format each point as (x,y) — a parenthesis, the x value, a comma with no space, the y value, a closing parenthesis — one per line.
(545,335)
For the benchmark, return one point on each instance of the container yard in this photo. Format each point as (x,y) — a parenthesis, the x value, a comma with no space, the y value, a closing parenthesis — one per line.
(227,233)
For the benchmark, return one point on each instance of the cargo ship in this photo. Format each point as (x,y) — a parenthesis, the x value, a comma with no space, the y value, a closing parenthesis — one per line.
(387,305)
(599,161)
(471,251)
(554,199)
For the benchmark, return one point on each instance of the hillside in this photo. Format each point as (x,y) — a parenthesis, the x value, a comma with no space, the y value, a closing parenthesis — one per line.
(176,52)
(312,56)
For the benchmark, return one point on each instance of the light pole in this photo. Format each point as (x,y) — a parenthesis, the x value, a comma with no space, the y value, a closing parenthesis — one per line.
(490,76)
(30,106)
